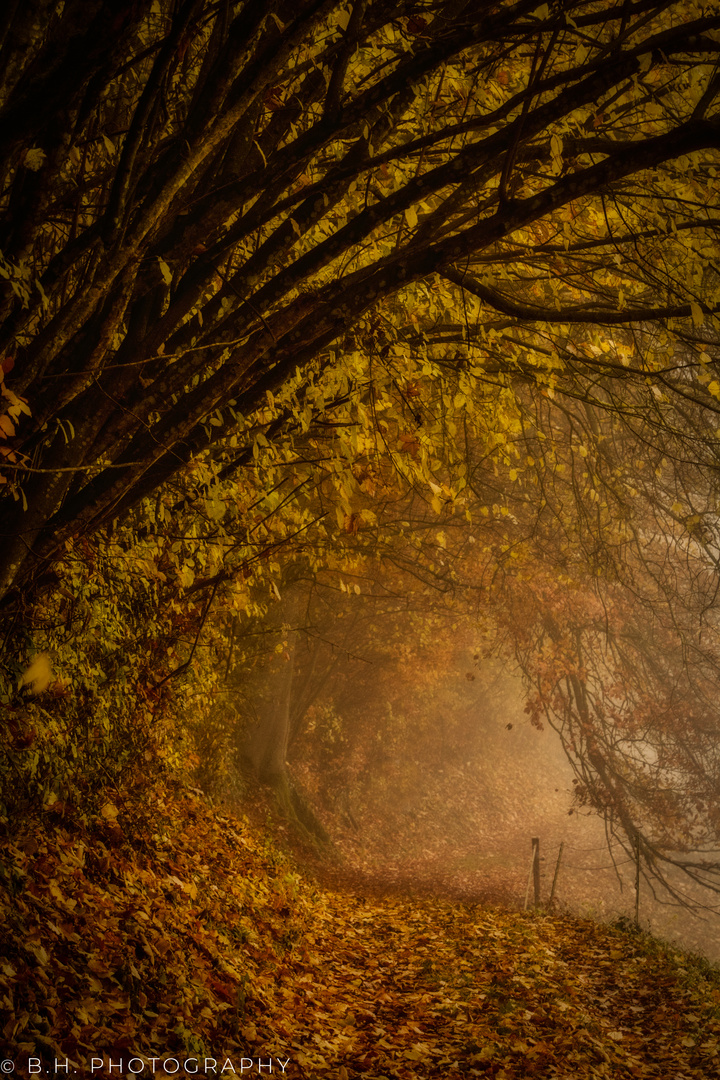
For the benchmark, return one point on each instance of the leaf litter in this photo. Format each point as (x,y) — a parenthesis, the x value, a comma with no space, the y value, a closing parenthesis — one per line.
(171,927)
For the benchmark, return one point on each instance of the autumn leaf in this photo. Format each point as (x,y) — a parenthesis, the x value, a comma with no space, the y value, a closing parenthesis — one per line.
(38,676)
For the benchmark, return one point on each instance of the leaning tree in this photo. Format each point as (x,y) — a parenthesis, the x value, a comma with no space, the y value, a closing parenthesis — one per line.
(252,248)
(200,199)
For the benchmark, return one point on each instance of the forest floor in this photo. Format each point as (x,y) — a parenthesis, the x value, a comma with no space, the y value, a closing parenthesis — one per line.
(165,937)
(463,830)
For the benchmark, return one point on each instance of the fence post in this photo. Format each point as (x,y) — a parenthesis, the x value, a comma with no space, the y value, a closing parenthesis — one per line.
(530,877)
(536,869)
(557,871)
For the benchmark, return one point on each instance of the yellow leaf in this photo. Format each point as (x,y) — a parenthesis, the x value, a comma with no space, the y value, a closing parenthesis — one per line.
(186,576)
(697,314)
(165,271)
(38,675)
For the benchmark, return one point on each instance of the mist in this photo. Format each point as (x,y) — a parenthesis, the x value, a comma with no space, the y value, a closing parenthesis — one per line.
(417,765)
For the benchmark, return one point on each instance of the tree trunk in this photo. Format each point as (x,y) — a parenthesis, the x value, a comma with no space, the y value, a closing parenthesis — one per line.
(265,748)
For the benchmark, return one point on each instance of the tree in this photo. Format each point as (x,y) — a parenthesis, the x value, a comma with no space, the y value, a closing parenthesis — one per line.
(197,211)
(264,261)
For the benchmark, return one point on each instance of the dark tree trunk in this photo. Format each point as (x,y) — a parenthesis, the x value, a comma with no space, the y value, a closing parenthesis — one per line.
(265,749)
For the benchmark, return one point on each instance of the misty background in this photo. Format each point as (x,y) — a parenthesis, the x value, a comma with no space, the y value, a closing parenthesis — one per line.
(416,769)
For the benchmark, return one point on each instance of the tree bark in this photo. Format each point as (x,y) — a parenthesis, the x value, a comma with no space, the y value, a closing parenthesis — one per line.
(265,750)
(264,753)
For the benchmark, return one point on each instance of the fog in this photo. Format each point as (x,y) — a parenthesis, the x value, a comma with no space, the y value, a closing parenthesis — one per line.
(450,803)
(415,760)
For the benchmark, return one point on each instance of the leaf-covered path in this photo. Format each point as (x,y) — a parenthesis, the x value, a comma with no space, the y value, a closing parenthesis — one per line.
(438,987)
(167,932)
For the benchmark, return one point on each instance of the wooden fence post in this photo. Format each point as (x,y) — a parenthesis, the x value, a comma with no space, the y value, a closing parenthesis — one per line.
(534,874)
(557,871)
(530,877)
(536,869)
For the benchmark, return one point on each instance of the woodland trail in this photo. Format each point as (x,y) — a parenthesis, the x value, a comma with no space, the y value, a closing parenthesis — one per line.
(165,930)
(439,988)
(420,880)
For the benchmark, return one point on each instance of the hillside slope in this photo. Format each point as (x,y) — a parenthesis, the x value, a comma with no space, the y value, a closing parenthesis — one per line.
(165,931)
